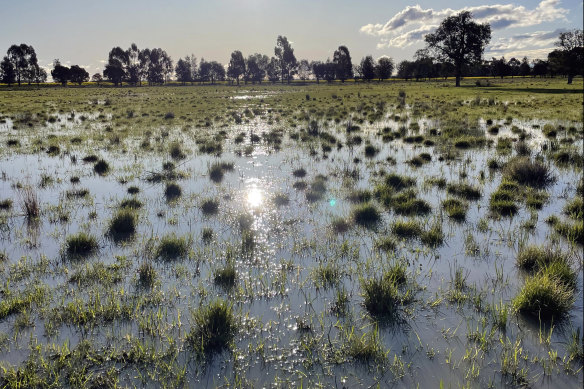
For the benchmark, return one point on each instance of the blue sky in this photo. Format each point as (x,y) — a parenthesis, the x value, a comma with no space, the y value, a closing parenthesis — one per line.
(83,32)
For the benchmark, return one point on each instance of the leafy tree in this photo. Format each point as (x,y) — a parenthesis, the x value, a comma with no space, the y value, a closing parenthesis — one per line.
(460,41)
(255,69)
(204,70)
(273,70)
(342,60)
(23,58)
(192,60)
(7,73)
(368,66)
(304,70)
(570,55)
(499,67)
(133,65)
(40,75)
(60,73)
(216,72)
(384,68)
(236,66)
(158,65)
(330,70)
(97,78)
(286,59)
(183,70)
(78,75)
(405,69)
(513,65)
(540,68)
(524,68)
(318,69)
(115,70)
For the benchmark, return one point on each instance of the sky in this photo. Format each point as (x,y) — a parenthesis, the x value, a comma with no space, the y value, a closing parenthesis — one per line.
(83,32)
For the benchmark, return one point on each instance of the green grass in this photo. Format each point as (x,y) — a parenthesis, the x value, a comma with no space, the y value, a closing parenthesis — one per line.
(172,247)
(214,327)
(101,167)
(406,229)
(464,190)
(209,206)
(123,222)
(455,209)
(80,245)
(528,172)
(172,191)
(543,296)
(365,215)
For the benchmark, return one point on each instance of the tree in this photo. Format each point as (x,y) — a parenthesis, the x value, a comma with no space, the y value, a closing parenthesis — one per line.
(273,70)
(384,68)
(78,75)
(255,69)
(192,60)
(524,68)
(318,69)
(23,58)
(115,70)
(342,61)
(236,66)
(40,75)
(513,65)
(460,41)
(405,69)
(304,70)
(330,70)
(286,60)
(7,73)
(158,65)
(571,53)
(540,68)
(60,73)
(97,78)
(368,66)
(133,68)
(183,70)
(216,72)
(499,67)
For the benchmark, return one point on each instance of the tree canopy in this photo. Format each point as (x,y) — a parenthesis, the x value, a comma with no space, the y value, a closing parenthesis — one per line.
(460,41)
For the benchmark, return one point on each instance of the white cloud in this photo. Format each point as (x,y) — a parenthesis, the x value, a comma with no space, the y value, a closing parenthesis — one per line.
(410,25)
(534,40)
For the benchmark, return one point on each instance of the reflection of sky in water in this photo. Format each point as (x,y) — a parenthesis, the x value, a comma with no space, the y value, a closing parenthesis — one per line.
(294,232)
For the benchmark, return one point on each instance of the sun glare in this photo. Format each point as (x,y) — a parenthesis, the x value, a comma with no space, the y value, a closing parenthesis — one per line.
(255,197)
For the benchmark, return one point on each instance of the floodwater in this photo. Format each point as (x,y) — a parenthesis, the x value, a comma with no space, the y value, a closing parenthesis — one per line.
(288,333)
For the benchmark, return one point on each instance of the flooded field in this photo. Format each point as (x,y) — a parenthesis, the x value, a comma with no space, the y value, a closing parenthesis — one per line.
(369,235)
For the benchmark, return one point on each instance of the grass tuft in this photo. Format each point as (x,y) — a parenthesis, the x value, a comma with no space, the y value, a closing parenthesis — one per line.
(214,327)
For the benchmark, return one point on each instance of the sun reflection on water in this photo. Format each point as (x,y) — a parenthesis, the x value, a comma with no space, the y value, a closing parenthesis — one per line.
(255,197)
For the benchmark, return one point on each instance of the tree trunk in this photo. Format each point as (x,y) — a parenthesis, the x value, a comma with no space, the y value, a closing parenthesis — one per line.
(570,77)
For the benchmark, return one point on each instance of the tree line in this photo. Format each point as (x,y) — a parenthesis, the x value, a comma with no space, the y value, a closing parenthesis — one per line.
(455,49)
